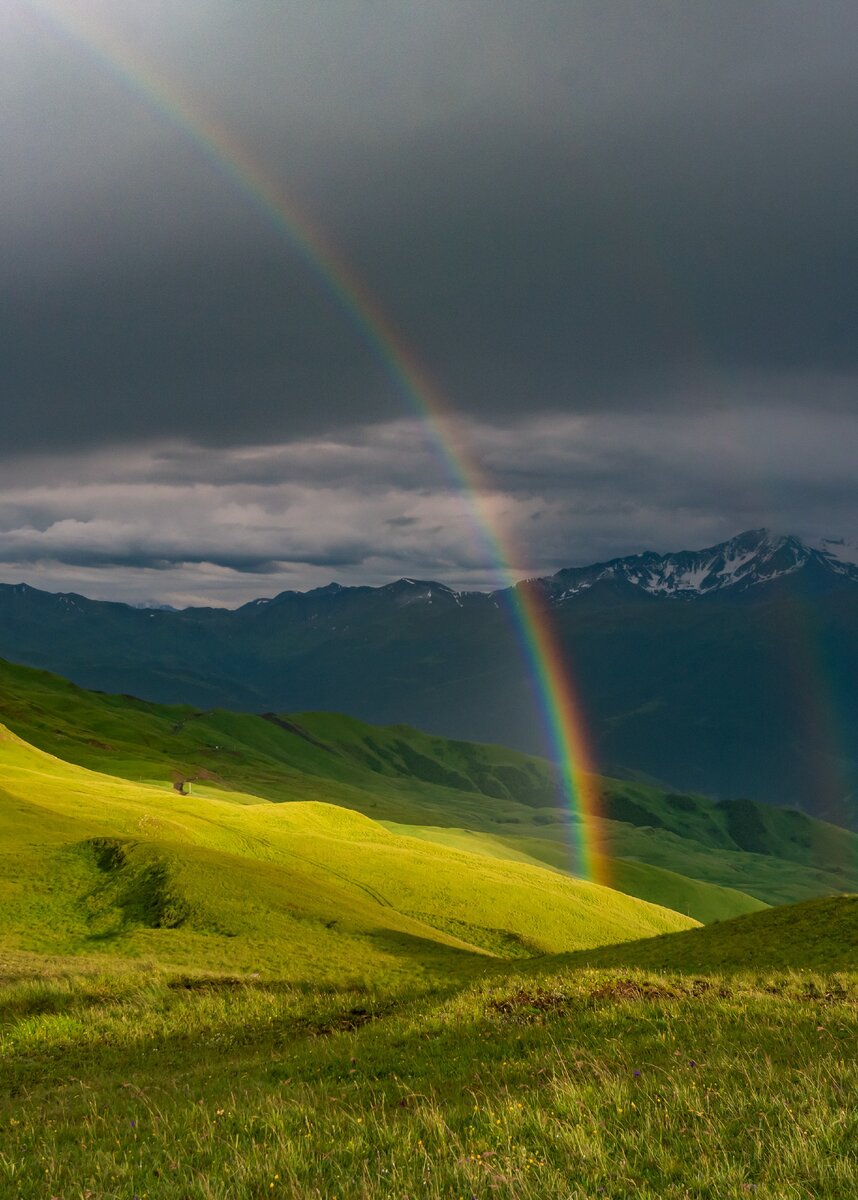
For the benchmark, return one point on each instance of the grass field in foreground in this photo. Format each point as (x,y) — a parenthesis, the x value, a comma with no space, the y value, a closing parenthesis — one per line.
(527,1085)
(191,1049)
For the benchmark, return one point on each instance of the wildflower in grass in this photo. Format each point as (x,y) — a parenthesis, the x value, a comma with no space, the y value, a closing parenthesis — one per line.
(636,1074)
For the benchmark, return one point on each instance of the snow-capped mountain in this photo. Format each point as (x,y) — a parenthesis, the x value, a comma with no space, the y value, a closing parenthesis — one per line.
(692,667)
(153,606)
(745,561)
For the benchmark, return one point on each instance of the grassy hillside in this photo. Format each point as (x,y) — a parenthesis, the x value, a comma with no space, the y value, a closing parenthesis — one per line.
(703,901)
(520,1086)
(89,862)
(711,694)
(711,861)
(218,997)
(818,934)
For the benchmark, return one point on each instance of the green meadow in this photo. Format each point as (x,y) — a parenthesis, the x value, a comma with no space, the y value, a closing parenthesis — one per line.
(707,861)
(546,1081)
(351,963)
(307,889)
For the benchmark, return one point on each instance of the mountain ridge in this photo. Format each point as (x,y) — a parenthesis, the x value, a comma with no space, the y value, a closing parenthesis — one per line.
(750,559)
(742,685)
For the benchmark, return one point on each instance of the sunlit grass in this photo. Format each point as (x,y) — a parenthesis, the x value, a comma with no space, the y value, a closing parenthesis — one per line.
(291,1000)
(94,864)
(676,851)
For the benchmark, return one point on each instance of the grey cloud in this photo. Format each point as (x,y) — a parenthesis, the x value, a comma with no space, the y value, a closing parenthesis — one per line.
(622,238)
(562,490)
(569,208)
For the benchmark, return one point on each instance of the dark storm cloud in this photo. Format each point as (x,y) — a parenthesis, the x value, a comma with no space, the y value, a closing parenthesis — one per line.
(622,237)
(565,207)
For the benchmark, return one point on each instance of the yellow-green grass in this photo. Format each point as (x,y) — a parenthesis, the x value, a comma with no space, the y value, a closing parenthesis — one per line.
(703,901)
(90,862)
(567,1083)
(260,999)
(676,851)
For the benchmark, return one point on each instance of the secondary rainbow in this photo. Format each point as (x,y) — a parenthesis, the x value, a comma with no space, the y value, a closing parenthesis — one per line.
(553,689)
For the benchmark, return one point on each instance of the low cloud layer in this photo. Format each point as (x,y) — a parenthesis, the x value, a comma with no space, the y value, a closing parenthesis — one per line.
(185,524)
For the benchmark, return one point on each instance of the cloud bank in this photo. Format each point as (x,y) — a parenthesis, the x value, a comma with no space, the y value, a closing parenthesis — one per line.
(621,238)
(183,523)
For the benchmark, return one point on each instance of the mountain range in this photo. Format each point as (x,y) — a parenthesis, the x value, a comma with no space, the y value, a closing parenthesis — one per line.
(729,671)
(748,561)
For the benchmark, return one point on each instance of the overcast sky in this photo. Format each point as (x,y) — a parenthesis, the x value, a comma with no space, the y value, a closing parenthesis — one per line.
(622,239)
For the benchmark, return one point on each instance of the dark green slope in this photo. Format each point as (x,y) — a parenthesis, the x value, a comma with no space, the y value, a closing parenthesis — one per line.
(756,698)
(726,695)
(710,861)
(817,935)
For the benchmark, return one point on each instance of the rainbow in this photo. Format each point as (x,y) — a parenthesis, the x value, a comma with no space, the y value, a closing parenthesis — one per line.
(553,690)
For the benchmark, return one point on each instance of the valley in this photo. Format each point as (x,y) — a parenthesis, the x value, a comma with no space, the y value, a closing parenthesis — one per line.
(302,955)
(727,672)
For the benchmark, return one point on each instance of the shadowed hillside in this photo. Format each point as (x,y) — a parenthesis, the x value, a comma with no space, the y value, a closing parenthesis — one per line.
(709,861)
(817,934)
(715,671)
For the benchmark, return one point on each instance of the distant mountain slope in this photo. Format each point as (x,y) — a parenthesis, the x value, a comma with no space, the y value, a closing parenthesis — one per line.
(731,671)
(709,861)
(92,863)
(818,934)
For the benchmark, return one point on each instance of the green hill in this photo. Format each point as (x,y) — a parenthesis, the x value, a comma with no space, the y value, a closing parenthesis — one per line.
(708,860)
(89,862)
(817,934)
(240,992)
(706,692)
(703,901)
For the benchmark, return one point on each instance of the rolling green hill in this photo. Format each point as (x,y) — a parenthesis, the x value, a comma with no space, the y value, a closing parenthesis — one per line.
(704,901)
(817,934)
(89,862)
(729,692)
(711,861)
(237,992)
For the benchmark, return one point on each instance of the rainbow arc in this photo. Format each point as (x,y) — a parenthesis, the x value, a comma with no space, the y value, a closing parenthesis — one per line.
(553,688)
